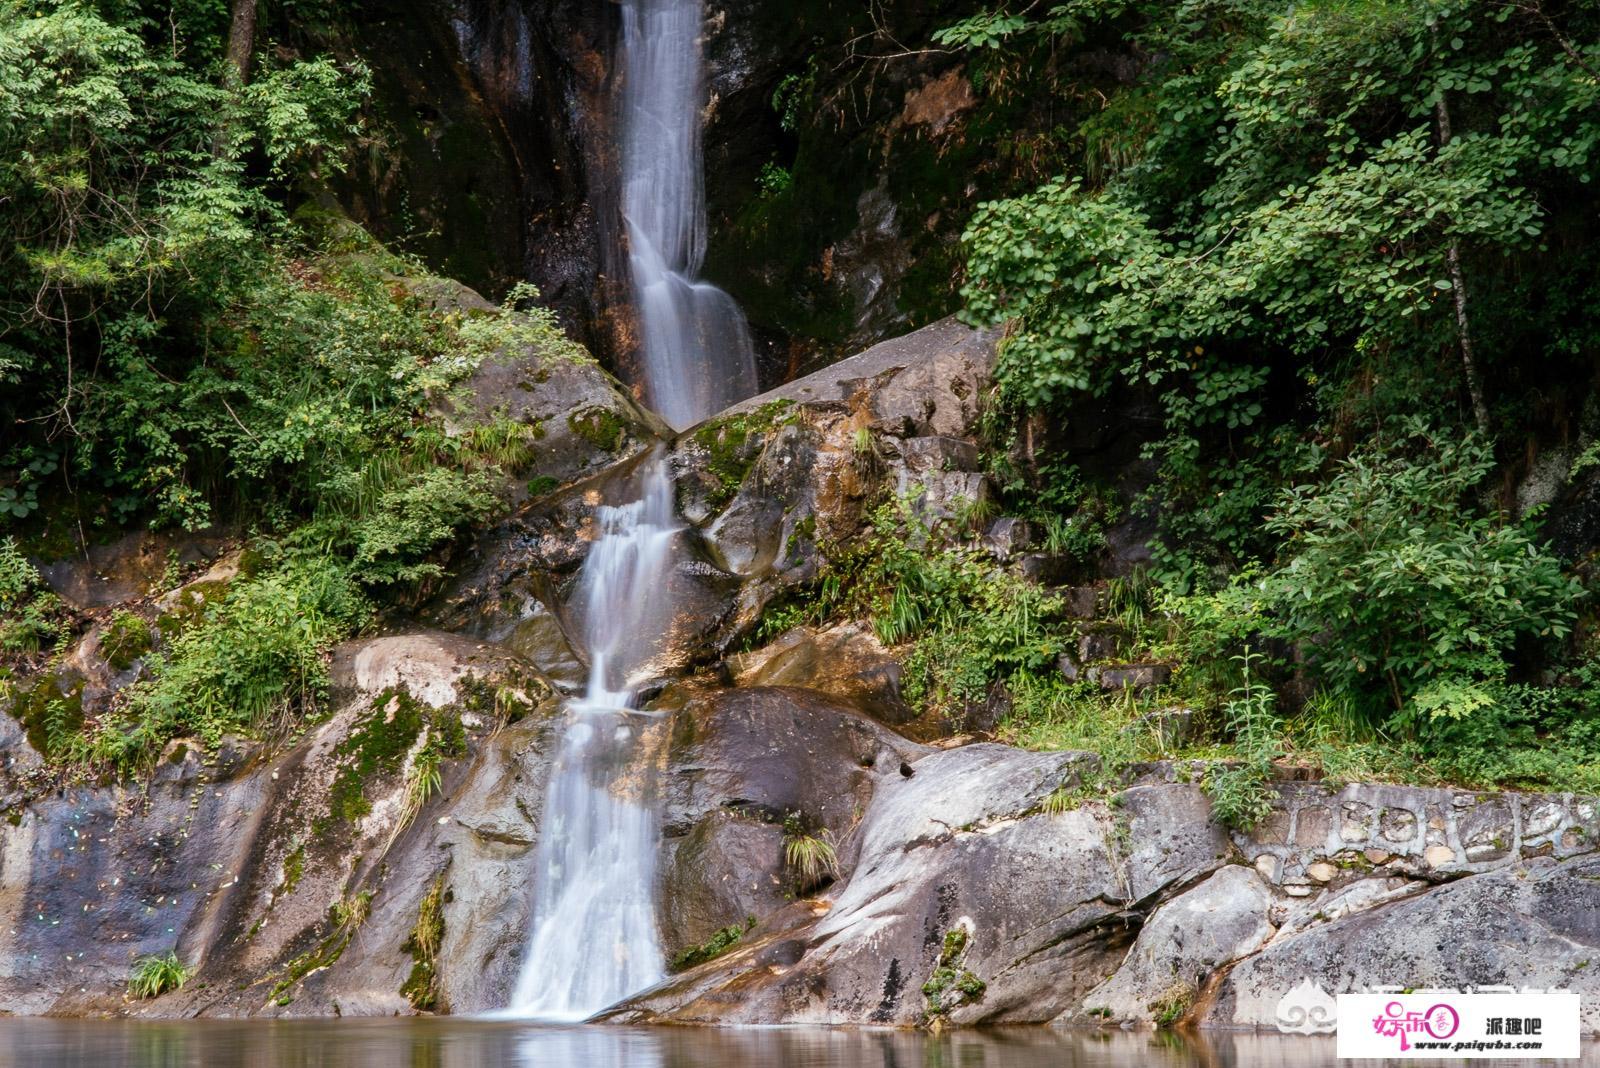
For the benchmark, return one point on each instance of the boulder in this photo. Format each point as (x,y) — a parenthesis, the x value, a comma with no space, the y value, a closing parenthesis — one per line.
(1535,927)
(579,418)
(956,841)
(740,764)
(846,661)
(1183,943)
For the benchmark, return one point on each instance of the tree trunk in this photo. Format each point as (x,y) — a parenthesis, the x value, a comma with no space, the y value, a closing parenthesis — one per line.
(1458,289)
(241,42)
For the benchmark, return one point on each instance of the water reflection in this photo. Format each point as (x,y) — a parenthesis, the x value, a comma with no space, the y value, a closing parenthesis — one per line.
(441,1043)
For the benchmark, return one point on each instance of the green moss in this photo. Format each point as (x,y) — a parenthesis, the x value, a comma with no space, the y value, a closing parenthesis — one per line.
(541,485)
(733,443)
(345,917)
(421,987)
(600,427)
(376,746)
(252,561)
(712,948)
(190,607)
(125,640)
(50,711)
(952,984)
(294,866)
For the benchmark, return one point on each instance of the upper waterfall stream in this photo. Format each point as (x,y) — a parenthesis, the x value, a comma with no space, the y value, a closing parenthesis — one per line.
(694,342)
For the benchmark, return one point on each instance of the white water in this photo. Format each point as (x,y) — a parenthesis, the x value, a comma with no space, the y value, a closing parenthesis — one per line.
(695,344)
(594,938)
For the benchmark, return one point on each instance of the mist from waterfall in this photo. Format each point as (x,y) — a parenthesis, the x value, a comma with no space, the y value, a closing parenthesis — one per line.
(594,938)
(694,342)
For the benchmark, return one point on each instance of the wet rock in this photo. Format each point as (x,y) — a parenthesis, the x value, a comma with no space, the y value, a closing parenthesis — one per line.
(741,763)
(1221,920)
(961,842)
(847,662)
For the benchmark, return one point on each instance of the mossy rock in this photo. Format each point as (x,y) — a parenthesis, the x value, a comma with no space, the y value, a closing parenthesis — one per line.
(733,443)
(50,710)
(600,427)
(125,640)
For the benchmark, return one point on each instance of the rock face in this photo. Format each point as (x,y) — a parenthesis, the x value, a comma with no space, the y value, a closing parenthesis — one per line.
(773,477)
(958,841)
(743,763)
(257,870)
(951,883)
(1534,926)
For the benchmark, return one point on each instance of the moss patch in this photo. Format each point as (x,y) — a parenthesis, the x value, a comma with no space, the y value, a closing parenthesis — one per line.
(50,711)
(125,640)
(952,984)
(421,987)
(376,746)
(712,948)
(600,427)
(732,445)
(191,605)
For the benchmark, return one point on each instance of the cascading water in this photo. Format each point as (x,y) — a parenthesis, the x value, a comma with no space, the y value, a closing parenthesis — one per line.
(695,344)
(594,937)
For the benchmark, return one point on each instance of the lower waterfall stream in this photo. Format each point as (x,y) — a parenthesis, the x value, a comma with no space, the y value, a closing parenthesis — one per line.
(594,938)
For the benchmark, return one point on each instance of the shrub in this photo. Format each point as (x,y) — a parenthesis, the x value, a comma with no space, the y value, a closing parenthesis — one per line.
(1240,794)
(1398,592)
(254,659)
(810,856)
(155,975)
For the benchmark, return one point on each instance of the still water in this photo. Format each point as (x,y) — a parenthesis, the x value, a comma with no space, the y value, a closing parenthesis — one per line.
(439,1043)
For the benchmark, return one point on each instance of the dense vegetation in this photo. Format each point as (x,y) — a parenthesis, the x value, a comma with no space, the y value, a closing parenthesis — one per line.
(188,338)
(1346,251)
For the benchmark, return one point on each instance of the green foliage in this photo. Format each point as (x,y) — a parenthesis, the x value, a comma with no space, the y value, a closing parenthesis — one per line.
(719,943)
(972,624)
(410,521)
(1275,210)
(774,179)
(155,975)
(130,221)
(1400,593)
(810,856)
(252,660)
(32,619)
(1239,792)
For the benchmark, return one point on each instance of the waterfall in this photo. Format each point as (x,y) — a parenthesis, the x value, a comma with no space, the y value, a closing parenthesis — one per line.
(694,342)
(594,938)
